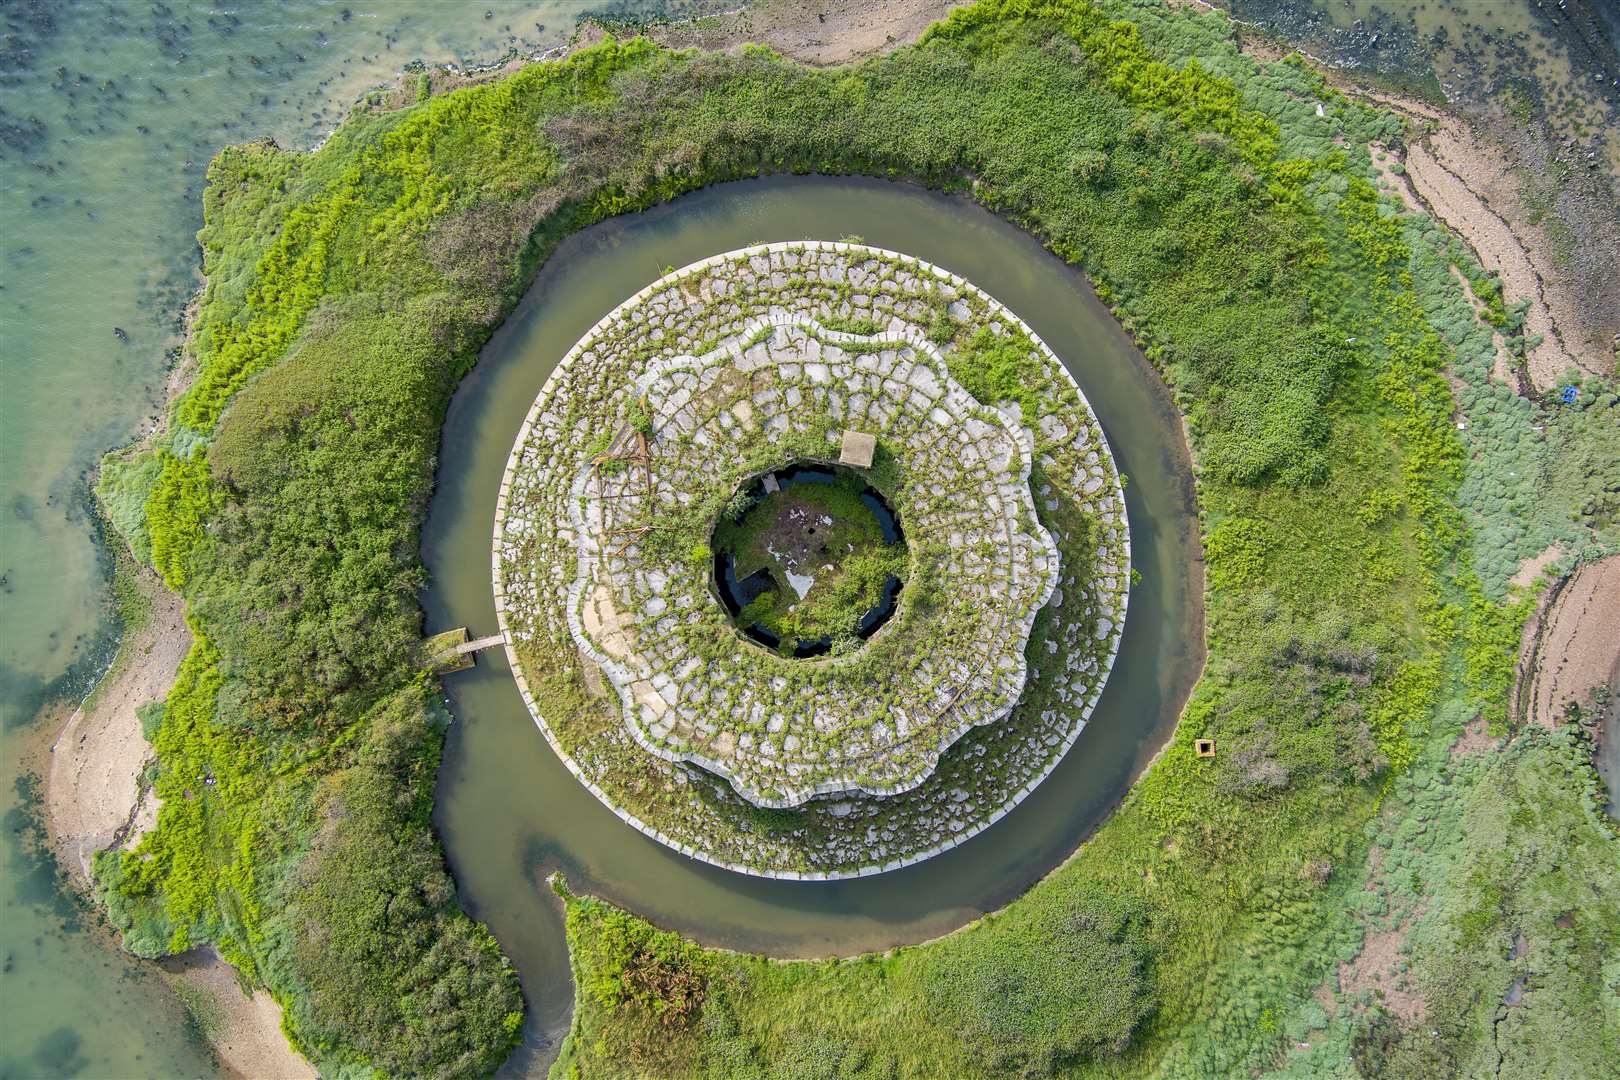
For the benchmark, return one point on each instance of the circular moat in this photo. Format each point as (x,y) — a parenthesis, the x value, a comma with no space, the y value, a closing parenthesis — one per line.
(507,807)
(643,449)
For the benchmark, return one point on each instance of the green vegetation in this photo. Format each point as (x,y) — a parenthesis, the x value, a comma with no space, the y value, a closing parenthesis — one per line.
(1516,885)
(1063,983)
(1293,318)
(1305,329)
(633,966)
(820,530)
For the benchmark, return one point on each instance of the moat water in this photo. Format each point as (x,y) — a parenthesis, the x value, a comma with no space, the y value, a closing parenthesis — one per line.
(510,813)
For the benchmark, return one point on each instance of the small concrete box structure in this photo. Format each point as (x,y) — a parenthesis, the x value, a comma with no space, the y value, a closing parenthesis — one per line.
(858,449)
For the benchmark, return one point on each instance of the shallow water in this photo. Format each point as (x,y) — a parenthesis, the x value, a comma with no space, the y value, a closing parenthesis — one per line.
(510,813)
(109,114)
(1511,61)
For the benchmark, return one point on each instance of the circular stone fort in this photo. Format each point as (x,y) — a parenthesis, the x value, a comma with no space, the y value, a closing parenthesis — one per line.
(811,560)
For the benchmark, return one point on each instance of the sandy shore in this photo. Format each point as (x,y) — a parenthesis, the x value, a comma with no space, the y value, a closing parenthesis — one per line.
(93,797)
(94,800)
(1465,184)
(815,31)
(244,1029)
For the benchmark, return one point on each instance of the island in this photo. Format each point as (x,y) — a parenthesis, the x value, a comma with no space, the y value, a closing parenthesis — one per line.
(812,561)
(631,479)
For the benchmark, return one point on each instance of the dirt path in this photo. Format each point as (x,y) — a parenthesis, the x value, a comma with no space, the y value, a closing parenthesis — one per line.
(1574,648)
(91,796)
(1379,968)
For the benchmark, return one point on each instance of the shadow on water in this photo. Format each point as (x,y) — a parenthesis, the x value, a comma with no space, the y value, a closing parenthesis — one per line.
(510,812)
(1607,753)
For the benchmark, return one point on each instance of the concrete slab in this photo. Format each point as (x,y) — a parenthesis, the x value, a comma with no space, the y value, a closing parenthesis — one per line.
(857,449)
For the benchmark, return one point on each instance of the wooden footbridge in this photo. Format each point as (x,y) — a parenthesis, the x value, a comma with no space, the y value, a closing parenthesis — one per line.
(454,650)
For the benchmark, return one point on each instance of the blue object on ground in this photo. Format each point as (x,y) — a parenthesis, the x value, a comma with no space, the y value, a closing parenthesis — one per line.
(1569,394)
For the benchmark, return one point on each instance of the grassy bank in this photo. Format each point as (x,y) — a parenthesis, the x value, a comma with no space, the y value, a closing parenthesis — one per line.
(1224,211)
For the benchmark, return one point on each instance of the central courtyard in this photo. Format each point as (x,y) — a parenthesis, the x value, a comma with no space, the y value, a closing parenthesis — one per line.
(811,559)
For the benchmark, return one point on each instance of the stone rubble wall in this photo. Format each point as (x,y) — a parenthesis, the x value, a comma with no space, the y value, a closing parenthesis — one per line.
(731,356)
(745,716)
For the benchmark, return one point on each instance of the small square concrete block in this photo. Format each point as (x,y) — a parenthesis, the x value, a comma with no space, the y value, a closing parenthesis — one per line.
(858,449)
(1205,747)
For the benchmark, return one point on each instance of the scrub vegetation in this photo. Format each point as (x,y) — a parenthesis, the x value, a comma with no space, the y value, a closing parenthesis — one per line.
(1224,211)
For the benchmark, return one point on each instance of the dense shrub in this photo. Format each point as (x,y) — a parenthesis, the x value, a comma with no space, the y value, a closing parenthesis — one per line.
(1066,981)
(631,965)
(308,580)
(395,975)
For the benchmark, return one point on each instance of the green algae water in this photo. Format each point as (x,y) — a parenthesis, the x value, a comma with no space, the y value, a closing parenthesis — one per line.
(508,810)
(109,114)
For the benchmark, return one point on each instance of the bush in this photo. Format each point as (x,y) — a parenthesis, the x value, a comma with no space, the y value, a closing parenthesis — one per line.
(124,484)
(634,966)
(393,974)
(1067,981)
